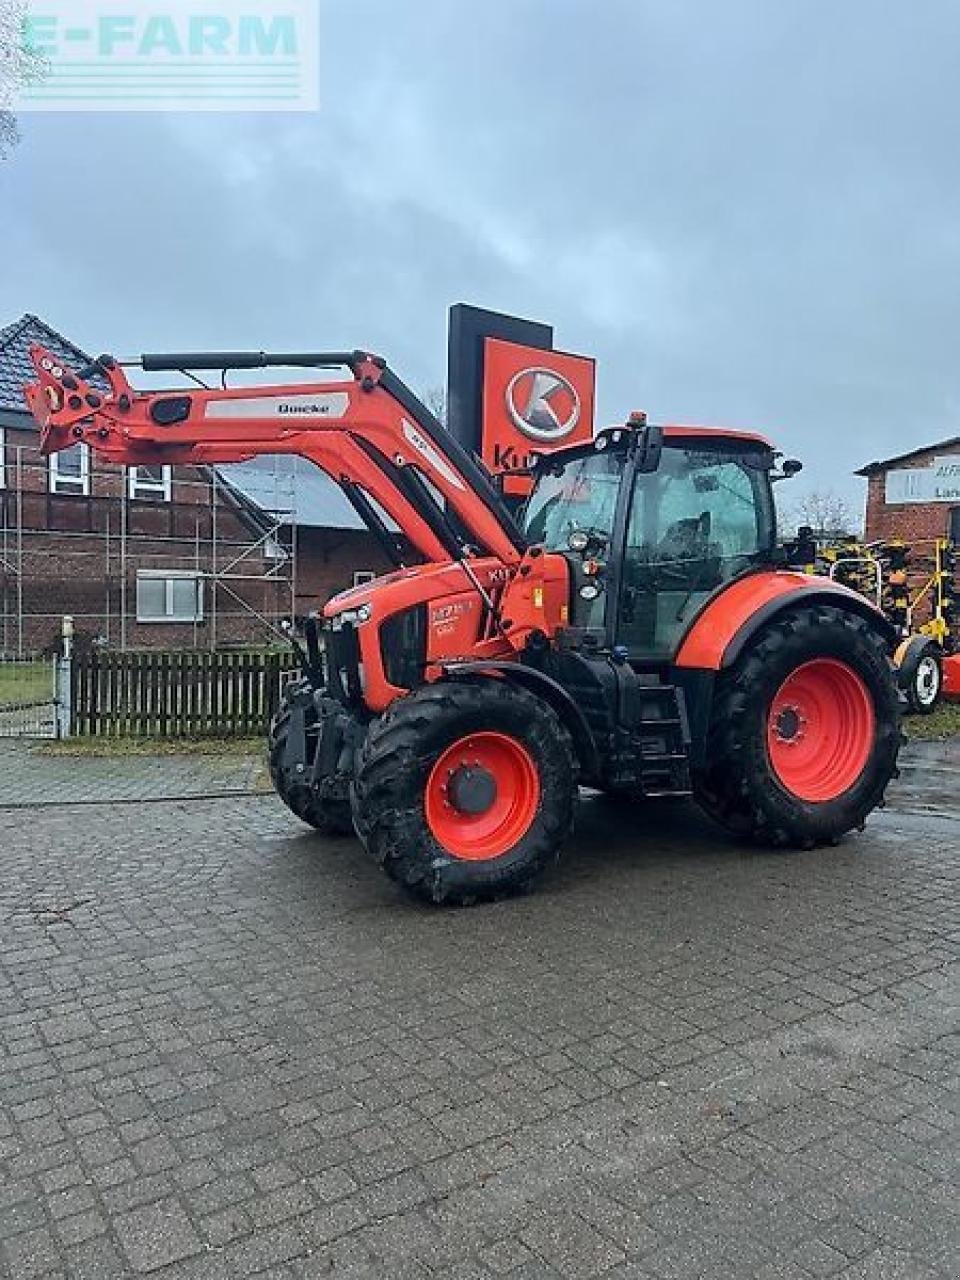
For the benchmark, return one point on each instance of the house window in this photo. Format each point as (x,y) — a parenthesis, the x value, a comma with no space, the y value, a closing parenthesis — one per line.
(166,596)
(363,575)
(3,459)
(273,549)
(149,482)
(70,470)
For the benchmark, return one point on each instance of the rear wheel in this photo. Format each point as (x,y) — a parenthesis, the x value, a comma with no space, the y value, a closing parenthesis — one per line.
(805,731)
(326,806)
(466,790)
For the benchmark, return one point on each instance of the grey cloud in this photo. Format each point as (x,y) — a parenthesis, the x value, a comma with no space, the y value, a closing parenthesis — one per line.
(747,212)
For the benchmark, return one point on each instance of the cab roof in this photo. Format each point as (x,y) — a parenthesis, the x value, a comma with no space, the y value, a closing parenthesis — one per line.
(671,431)
(674,429)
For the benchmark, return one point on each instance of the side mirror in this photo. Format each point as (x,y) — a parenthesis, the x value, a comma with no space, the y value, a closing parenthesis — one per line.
(649,449)
(789,468)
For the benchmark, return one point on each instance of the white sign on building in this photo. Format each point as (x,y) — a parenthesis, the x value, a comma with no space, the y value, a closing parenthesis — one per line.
(939,482)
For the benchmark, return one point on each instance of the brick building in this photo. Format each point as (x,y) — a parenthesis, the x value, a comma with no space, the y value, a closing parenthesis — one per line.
(331,545)
(157,556)
(915,496)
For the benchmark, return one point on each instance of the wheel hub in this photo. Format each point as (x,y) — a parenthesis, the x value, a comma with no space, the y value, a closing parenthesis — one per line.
(482,795)
(821,730)
(471,788)
(927,677)
(789,725)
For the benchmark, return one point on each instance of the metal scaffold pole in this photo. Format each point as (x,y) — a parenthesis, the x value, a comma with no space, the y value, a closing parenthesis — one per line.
(213,558)
(198,570)
(19,550)
(123,563)
(106,580)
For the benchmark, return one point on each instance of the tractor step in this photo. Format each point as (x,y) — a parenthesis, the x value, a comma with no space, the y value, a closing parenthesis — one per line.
(657,759)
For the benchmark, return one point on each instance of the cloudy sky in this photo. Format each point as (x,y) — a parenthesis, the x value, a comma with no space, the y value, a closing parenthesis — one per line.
(748,211)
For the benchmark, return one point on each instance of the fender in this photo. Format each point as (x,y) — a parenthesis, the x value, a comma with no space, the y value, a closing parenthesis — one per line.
(718,636)
(547,688)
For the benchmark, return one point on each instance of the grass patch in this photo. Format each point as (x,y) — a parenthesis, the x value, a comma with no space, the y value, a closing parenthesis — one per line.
(26,683)
(944,723)
(119,748)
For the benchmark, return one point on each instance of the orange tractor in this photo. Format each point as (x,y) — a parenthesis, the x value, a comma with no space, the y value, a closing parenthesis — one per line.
(637,628)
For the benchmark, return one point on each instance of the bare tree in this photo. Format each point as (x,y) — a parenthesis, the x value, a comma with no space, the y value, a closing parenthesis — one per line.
(435,398)
(827,513)
(19,65)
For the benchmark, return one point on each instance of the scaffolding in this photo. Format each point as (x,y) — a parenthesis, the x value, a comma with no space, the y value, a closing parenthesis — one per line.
(82,554)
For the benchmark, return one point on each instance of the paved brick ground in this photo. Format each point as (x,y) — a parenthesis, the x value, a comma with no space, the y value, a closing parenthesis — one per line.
(29,779)
(229,1049)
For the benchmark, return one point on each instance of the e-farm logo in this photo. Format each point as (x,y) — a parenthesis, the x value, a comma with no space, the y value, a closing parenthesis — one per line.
(171,55)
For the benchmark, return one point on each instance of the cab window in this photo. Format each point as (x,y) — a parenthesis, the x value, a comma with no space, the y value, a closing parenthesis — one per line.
(703,518)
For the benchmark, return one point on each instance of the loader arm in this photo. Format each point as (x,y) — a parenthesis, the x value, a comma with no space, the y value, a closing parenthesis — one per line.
(367,432)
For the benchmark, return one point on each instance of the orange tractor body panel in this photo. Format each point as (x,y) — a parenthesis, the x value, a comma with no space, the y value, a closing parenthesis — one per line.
(738,605)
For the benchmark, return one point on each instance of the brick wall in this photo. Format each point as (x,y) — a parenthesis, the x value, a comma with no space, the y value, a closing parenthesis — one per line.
(911,522)
(68,550)
(327,560)
(918,524)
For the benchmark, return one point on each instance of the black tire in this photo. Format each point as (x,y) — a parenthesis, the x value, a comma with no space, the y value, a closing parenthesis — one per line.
(327,808)
(394,768)
(739,787)
(922,676)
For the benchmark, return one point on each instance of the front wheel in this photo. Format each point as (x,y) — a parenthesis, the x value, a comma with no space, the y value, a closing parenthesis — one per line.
(805,731)
(465,790)
(325,806)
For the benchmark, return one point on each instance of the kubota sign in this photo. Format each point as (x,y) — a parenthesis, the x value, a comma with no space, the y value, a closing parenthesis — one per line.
(533,399)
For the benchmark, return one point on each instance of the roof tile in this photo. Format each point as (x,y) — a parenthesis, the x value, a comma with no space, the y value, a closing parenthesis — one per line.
(15,365)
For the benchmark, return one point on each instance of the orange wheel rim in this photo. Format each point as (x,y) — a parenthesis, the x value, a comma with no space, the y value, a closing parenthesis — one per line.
(821,729)
(482,796)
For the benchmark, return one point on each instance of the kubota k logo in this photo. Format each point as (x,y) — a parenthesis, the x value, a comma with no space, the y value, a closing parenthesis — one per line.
(542,404)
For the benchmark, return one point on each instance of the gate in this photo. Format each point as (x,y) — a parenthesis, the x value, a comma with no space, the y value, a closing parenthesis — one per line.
(28,697)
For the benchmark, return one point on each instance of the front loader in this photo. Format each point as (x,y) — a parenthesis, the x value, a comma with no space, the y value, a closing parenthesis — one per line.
(637,630)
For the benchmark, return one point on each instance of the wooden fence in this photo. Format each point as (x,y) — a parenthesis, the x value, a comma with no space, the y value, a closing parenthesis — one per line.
(186,695)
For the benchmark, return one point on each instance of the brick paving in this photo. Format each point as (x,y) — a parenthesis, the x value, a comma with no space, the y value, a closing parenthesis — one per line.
(228,1048)
(30,779)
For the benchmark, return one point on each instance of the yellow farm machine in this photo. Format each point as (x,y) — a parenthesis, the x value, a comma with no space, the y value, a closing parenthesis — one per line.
(916,587)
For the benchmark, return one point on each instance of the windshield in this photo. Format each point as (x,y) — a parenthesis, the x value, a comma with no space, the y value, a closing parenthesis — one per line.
(582,494)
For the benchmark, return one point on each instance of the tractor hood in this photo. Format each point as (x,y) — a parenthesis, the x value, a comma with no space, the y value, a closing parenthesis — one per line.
(417,584)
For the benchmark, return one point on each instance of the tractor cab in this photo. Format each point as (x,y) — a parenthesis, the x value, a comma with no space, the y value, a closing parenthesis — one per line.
(653,521)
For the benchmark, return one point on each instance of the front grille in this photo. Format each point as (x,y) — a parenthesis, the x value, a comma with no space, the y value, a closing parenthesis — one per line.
(403,647)
(342,661)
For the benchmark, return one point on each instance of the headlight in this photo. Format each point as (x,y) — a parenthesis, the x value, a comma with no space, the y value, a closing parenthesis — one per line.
(350,617)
